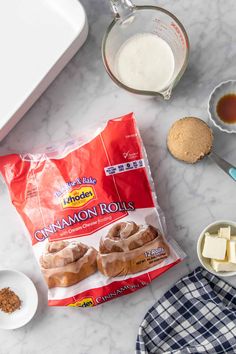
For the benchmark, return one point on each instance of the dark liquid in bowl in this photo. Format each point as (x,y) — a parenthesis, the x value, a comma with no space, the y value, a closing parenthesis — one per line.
(226,108)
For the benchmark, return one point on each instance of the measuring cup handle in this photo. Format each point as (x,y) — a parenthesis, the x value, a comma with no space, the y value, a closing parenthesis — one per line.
(224,165)
(122,8)
(232,172)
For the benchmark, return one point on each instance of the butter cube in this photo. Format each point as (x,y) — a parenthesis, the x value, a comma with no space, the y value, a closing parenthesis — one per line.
(231,251)
(223,266)
(225,232)
(214,247)
(212,235)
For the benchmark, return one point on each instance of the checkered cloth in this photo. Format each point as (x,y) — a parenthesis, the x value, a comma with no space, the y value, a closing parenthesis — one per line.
(197,315)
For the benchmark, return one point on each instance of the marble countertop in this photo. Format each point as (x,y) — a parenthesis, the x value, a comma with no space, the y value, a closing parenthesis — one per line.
(191,196)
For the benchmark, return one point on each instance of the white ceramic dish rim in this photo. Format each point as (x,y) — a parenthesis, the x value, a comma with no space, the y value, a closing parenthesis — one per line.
(29,94)
(199,242)
(36,298)
(209,110)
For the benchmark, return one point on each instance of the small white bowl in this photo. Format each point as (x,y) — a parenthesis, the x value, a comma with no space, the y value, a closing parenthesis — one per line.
(213,229)
(25,289)
(224,88)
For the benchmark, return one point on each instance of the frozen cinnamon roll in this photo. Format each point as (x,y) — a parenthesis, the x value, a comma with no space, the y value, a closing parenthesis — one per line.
(65,263)
(130,248)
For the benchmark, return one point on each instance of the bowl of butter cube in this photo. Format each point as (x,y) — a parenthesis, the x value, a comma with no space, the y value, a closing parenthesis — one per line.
(216,248)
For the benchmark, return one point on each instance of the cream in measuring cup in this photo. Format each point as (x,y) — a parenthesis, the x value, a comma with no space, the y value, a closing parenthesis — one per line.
(145,49)
(145,62)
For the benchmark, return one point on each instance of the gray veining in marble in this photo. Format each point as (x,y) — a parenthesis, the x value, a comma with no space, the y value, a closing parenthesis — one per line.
(191,196)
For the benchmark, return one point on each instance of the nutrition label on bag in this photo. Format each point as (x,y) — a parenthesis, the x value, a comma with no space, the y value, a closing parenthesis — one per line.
(123,167)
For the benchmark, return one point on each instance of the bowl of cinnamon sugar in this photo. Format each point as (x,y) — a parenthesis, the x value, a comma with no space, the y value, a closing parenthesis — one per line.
(18,299)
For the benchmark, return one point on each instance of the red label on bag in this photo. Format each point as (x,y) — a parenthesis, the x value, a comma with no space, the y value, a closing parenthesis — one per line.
(65,197)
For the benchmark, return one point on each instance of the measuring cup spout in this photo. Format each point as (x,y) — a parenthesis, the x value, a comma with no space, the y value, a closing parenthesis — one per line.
(122,8)
(167,93)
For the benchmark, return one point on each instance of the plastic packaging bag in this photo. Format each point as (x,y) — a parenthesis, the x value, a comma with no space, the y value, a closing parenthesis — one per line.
(92,215)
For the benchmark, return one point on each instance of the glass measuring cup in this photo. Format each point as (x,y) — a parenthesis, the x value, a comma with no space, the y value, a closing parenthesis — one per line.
(130,20)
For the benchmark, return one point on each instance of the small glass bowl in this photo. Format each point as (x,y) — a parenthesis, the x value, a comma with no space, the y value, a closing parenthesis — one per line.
(224,88)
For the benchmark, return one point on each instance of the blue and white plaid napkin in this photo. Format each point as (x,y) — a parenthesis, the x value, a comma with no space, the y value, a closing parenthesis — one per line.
(197,315)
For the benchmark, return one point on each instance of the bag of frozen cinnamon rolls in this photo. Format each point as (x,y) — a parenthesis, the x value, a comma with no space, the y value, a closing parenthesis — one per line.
(92,215)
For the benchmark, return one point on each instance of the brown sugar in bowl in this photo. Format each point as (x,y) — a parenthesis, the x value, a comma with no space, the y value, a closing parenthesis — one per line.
(190,139)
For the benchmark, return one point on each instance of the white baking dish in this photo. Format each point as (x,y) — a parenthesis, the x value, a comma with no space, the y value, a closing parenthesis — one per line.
(37,40)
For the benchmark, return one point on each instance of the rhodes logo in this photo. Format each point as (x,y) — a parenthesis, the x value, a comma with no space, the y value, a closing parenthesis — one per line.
(86,302)
(78,197)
